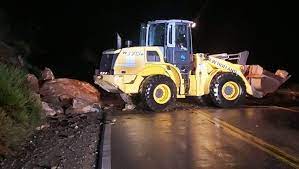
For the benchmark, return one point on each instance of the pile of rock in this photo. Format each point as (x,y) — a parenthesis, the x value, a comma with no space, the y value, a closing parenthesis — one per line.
(63,95)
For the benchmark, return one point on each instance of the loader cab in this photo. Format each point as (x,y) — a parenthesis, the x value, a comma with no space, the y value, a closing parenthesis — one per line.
(175,39)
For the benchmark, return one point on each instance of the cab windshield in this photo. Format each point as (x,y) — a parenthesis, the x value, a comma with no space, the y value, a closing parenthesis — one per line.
(156,34)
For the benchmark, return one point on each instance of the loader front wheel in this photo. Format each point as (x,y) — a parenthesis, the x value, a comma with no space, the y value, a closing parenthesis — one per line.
(158,92)
(227,90)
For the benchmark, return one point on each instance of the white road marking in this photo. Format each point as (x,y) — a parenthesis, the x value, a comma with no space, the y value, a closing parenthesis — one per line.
(106,154)
(285,108)
(277,107)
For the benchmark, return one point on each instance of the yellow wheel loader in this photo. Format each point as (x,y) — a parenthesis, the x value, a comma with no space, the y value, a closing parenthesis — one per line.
(164,68)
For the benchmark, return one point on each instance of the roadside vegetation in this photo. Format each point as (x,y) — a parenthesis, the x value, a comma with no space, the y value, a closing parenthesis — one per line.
(19,108)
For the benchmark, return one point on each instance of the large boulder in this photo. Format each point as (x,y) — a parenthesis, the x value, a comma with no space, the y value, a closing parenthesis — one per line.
(69,93)
(264,82)
(49,109)
(83,109)
(32,82)
(47,74)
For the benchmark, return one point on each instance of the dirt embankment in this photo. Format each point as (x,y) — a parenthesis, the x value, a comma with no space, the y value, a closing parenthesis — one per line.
(68,134)
(62,142)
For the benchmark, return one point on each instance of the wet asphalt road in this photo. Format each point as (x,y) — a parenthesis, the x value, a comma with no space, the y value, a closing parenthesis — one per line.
(185,140)
(277,126)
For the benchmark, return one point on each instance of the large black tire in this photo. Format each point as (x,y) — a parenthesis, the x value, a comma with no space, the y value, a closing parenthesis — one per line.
(151,85)
(227,90)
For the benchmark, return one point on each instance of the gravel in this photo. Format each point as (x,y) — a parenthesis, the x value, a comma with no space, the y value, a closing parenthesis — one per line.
(62,142)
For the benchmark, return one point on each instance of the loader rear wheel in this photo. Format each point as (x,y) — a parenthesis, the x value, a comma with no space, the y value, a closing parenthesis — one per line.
(158,92)
(227,90)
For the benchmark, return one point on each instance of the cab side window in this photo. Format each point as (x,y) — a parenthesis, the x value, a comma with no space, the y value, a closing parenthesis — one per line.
(152,56)
(181,36)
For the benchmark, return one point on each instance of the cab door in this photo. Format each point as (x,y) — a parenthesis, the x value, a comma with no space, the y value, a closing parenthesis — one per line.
(179,48)
(182,50)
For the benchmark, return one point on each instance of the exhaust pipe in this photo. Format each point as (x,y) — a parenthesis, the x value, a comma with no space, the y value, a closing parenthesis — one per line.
(118,41)
(128,43)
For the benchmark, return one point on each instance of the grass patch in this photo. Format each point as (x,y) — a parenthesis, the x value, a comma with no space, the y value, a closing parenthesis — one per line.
(19,107)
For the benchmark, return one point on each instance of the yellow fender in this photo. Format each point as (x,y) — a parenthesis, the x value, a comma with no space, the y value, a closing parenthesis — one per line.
(236,69)
(167,70)
(209,79)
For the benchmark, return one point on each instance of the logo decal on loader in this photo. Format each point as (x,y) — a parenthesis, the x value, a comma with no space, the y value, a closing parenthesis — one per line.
(130,59)
(183,57)
(133,53)
(223,65)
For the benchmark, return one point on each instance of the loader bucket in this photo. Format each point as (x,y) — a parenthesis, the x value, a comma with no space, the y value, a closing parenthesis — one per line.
(262,81)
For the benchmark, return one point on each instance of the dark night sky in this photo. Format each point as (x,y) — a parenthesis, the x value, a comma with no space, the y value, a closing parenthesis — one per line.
(68,36)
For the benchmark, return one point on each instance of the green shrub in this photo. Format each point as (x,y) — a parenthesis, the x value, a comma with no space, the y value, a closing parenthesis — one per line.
(19,107)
